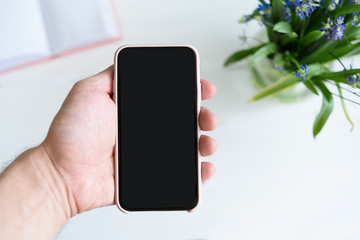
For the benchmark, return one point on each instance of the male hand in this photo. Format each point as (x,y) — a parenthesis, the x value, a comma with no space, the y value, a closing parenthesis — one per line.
(81,140)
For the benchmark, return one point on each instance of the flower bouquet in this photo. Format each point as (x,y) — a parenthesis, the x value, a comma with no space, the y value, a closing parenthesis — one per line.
(304,36)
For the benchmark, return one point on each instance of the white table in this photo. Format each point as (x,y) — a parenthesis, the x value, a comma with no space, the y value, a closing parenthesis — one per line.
(273,180)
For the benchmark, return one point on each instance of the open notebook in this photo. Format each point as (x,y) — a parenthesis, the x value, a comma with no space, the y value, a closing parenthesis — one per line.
(35,30)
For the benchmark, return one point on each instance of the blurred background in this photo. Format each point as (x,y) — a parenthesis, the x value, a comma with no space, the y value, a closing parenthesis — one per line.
(273,179)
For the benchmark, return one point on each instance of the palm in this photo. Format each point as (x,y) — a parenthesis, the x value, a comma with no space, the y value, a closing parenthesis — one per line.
(81,142)
(82,137)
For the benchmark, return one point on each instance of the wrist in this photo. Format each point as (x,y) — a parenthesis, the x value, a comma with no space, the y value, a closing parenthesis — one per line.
(33,202)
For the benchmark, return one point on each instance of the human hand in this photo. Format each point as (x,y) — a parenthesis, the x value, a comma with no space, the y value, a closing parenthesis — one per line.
(81,140)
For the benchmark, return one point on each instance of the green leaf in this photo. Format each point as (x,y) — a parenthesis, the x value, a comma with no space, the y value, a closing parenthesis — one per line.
(283,27)
(284,83)
(279,61)
(315,69)
(241,55)
(277,10)
(311,87)
(281,84)
(326,109)
(288,39)
(340,52)
(348,9)
(263,52)
(339,77)
(323,116)
(353,34)
(325,48)
(312,37)
(324,90)
(350,51)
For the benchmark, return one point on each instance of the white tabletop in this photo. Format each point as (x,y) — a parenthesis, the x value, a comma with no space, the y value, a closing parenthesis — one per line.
(273,180)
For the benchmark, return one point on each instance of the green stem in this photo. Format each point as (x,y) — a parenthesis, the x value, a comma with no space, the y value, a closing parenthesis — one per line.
(303,28)
(293,60)
(344,106)
(347,40)
(333,55)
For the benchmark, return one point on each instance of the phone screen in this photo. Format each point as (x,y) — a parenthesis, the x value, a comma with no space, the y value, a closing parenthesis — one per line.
(157,128)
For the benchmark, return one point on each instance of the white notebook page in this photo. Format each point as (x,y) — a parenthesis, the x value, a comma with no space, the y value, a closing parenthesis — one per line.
(22,32)
(72,24)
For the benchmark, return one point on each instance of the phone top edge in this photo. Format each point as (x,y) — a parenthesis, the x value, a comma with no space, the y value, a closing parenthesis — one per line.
(156,45)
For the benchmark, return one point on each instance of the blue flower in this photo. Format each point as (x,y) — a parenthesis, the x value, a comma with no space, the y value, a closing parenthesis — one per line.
(313,3)
(355,1)
(303,8)
(264,8)
(302,72)
(327,27)
(340,20)
(339,29)
(245,19)
(334,30)
(333,4)
(353,80)
(288,10)
(289,4)
(355,19)
(263,12)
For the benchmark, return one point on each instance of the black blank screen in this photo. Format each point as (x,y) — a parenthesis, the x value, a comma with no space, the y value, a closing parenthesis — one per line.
(157,113)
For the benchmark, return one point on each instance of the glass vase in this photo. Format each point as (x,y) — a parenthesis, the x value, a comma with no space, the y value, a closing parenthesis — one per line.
(264,74)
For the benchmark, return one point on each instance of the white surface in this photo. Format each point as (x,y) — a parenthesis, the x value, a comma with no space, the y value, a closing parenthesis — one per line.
(273,180)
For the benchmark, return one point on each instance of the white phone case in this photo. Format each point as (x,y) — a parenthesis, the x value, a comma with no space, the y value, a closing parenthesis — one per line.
(115,84)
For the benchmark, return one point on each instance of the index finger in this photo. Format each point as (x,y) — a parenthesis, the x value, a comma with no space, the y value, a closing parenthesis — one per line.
(103,81)
(208,89)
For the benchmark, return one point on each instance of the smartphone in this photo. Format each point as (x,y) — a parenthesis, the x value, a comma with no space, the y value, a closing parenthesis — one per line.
(157,94)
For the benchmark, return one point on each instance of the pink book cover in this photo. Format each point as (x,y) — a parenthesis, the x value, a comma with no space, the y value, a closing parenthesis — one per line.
(76,49)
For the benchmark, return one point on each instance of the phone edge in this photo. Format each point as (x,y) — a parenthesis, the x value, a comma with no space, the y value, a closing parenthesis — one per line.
(198,88)
(115,84)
